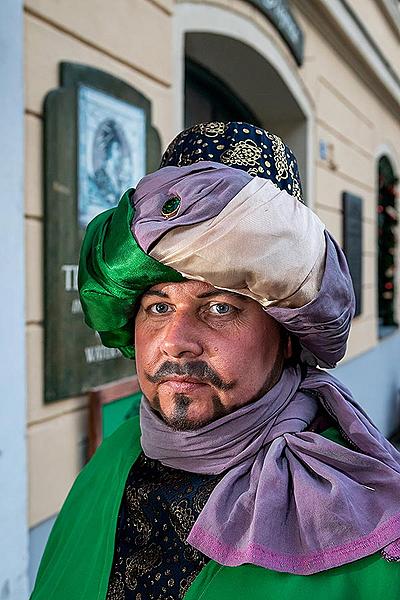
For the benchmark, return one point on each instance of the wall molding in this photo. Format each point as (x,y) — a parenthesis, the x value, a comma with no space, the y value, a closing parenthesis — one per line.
(341,27)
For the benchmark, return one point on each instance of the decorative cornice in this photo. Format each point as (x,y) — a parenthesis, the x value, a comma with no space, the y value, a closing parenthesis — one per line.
(391,11)
(345,32)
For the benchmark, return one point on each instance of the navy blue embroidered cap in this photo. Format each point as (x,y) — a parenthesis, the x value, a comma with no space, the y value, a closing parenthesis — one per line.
(240,145)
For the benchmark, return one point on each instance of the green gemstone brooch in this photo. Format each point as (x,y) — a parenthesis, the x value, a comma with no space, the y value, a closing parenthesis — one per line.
(171,207)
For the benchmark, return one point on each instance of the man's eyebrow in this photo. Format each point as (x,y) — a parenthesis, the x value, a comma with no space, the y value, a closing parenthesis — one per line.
(155,293)
(213,293)
(210,294)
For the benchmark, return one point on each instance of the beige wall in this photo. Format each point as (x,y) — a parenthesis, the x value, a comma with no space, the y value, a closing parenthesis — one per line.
(134,41)
(350,117)
(382,29)
(117,37)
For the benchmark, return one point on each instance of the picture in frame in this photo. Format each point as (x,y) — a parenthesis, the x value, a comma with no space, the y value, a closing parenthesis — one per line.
(112,137)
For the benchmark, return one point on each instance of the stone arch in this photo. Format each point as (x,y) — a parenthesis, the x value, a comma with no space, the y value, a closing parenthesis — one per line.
(251,61)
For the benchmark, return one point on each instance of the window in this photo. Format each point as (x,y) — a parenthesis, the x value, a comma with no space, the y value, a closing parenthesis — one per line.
(387,231)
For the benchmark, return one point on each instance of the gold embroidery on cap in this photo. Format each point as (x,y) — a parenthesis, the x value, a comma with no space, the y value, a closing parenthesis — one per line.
(281,164)
(245,152)
(296,191)
(169,151)
(210,129)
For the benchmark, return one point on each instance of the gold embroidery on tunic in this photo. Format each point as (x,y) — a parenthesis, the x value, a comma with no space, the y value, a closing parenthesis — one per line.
(185,584)
(116,588)
(182,518)
(203,494)
(140,563)
(139,521)
(161,544)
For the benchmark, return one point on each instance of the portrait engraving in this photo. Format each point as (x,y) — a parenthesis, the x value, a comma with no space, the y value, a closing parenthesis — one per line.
(111,147)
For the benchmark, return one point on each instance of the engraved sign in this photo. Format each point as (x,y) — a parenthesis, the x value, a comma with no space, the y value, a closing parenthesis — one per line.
(280,15)
(352,242)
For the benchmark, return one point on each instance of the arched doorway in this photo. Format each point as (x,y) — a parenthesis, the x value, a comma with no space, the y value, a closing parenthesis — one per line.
(207,98)
(227,77)
(387,225)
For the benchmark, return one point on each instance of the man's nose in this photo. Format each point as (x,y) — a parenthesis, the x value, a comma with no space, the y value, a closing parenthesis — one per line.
(181,337)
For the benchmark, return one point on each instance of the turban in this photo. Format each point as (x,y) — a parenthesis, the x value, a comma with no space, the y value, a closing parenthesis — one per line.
(225,207)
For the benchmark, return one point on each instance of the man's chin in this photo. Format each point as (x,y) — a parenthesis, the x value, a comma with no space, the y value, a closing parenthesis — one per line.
(186,424)
(190,423)
(184,416)
(184,412)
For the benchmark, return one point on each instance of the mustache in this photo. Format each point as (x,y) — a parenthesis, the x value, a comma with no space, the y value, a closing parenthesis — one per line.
(198,369)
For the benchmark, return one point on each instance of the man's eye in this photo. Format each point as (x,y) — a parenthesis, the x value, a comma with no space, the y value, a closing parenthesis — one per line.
(221,308)
(160,308)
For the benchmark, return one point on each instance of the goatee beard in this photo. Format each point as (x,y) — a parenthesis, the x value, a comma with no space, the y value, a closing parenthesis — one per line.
(179,420)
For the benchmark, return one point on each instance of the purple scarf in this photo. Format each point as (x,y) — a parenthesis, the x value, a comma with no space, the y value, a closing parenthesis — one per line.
(290,500)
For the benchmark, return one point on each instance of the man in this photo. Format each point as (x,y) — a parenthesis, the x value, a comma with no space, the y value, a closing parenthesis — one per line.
(252,472)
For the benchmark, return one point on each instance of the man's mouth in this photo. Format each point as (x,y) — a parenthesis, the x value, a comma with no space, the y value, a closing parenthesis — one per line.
(182,383)
(193,374)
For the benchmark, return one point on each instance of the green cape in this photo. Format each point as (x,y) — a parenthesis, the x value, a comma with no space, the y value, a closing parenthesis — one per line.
(78,557)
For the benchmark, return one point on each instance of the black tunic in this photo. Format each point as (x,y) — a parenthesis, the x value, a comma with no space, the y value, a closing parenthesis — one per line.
(152,560)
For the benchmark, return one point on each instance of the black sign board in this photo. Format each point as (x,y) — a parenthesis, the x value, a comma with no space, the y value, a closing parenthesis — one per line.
(280,15)
(352,242)
(98,141)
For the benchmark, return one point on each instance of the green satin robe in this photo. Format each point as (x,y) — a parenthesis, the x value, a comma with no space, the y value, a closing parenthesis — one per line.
(78,556)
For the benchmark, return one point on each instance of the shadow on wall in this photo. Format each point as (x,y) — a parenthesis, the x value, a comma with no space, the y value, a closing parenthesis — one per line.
(374,379)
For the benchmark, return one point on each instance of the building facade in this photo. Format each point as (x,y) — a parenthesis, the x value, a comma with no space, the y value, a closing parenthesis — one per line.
(322,74)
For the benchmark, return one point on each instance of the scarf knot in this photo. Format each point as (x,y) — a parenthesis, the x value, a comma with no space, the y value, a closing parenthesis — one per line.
(289,500)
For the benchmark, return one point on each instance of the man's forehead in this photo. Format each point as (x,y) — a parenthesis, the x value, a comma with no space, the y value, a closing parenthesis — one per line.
(200,289)
(194,284)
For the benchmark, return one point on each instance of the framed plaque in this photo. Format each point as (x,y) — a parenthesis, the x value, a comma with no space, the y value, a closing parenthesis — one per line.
(109,406)
(352,242)
(98,142)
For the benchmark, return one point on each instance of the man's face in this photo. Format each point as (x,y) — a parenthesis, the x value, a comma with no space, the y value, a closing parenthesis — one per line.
(202,353)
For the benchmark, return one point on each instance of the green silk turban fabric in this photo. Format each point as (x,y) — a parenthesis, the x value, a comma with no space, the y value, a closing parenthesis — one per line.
(113,273)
